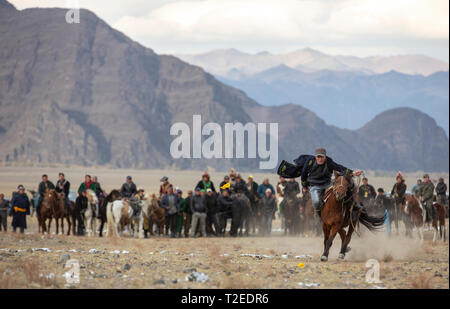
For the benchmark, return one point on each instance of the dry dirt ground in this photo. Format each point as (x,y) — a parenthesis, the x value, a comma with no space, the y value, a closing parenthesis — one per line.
(36,261)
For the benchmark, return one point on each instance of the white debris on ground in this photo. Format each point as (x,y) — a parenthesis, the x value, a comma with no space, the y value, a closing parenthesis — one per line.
(198,277)
(309,285)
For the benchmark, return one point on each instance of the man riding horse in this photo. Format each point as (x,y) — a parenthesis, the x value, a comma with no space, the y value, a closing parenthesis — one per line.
(315,172)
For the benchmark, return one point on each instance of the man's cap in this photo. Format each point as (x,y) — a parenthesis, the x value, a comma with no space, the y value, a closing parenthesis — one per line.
(380,190)
(208,190)
(165,178)
(179,190)
(20,187)
(250,176)
(129,177)
(321,152)
(197,189)
(141,189)
(426,176)
(399,175)
(226,177)
(268,190)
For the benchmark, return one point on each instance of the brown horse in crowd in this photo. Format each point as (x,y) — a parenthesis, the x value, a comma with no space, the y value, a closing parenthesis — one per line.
(156,216)
(439,222)
(336,215)
(413,216)
(53,206)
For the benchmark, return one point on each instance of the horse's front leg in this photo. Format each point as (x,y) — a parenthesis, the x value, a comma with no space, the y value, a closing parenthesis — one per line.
(49,224)
(62,226)
(328,242)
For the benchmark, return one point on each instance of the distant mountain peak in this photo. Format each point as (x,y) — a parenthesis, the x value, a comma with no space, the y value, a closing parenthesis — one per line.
(6,5)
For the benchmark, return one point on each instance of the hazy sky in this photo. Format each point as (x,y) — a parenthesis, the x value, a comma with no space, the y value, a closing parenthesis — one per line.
(349,27)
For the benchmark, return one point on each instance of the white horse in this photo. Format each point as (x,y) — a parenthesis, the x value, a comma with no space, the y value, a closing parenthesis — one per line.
(118,214)
(90,214)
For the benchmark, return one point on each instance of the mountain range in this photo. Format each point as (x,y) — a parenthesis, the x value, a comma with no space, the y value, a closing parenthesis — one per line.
(86,94)
(345,91)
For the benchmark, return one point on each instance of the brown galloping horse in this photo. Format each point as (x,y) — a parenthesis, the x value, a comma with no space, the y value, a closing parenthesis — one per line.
(336,215)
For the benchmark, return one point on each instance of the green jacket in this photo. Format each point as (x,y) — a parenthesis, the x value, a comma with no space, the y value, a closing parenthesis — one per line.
(427,190)
(82,187)
(182,205)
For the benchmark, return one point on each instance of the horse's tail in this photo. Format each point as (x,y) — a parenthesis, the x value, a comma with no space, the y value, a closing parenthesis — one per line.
(372,223)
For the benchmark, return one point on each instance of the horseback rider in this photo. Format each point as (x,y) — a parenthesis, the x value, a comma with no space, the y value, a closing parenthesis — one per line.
(63,185)
(164,186)
(291,188)
(441,190)
(366,192)
(316,174)
(426,197)
(205,183)
(128,189)
(416,188)
(44,186)
(85,185)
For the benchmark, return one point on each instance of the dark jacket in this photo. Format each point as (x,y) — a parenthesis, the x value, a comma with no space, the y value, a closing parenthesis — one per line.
(20,207)
(241,187)
(253,190)
(268,206)
(224,204)
(165,204)
(316,175)
(199,204)
(441,188)
(65,188)
(4,207)
(188,201)
(291,188)
(366,192)
(205,185)
(211,203)
(43,187)
(128,189)
(398,192)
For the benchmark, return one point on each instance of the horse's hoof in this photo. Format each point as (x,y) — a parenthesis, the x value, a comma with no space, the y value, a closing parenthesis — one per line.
(341,256)
(324,258)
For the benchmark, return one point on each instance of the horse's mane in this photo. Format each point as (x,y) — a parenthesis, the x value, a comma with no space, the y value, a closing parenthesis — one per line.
(90,194)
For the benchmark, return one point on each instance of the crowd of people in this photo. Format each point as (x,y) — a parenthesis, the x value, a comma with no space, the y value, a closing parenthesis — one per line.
(206,209)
